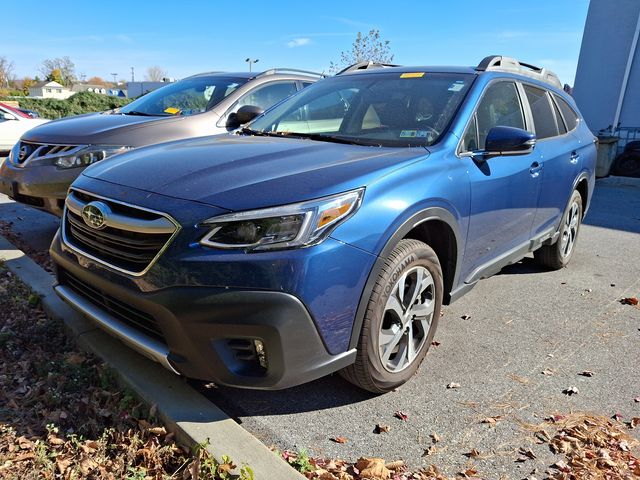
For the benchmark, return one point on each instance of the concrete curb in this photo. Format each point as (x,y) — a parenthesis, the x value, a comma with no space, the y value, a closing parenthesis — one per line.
(192,417)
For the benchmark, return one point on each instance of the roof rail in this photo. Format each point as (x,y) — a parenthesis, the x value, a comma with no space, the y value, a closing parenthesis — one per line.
(499,63)
(366,65)
(273,71)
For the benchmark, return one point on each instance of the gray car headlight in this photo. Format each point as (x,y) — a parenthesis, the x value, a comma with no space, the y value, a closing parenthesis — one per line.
(289,226)
(88,155)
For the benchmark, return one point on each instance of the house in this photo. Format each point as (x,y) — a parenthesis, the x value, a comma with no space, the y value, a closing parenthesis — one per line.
(49,89)
(87,87)
(606,87)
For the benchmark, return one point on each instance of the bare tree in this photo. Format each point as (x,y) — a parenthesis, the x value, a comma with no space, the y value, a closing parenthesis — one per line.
(155,74)
(6,72)
(64,65)
(369,47)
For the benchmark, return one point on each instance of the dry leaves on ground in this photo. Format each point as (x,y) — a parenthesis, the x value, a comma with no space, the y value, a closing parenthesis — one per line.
(64,415)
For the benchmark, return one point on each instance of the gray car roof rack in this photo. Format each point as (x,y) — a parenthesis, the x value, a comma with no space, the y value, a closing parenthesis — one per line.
(499,63)
(365,66)
(273,71)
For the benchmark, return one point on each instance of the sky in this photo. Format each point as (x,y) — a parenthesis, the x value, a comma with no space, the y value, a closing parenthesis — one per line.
(187,37)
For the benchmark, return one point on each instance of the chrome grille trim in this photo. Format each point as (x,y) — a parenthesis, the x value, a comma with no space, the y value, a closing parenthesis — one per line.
(122,222)
(41,152)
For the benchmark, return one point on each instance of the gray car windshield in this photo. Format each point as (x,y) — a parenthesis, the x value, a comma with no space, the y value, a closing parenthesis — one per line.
(390,108)
(186,97)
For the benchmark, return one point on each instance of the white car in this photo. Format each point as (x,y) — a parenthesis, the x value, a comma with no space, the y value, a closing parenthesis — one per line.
(13,123)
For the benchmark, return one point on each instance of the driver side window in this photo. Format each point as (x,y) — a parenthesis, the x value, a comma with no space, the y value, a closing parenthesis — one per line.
(500,106)
(267,96)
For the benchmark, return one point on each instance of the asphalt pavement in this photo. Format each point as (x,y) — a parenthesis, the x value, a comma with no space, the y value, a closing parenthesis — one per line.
(495,343)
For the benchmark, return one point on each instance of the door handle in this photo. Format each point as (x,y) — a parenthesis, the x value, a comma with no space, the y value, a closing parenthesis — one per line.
(535,169)
(574,157)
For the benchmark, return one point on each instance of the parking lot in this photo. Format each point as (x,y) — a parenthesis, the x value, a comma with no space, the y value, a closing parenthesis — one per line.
(495,343)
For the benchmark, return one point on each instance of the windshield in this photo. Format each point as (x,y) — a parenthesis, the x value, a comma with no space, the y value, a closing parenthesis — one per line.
(388,109)
(186,97)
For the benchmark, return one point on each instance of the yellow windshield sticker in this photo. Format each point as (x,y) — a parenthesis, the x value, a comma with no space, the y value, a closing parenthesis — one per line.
(172,110)
(412,75)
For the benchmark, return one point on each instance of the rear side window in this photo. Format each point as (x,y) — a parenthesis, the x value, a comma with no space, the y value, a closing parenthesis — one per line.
(561,127)
(500,106)
(543,117)
(568,113)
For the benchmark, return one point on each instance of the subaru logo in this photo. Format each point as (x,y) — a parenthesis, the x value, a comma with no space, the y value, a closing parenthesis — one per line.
(94,215)
(22,153)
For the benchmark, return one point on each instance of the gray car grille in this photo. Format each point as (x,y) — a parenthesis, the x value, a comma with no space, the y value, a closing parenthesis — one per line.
(131,239)
(29,151)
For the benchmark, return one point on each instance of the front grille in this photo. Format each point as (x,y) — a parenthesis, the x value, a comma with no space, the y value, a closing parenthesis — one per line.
(131,239)
(30,151)
(127,314)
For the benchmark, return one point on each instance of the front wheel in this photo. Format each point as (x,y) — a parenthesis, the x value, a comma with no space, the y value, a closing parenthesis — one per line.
(559,254)
(401,319)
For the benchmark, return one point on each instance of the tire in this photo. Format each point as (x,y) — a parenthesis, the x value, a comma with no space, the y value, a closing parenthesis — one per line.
(559,254)
(627,164)
(381,365)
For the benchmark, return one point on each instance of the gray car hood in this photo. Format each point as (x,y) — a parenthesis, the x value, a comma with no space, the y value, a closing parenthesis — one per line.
(99,128)
(241,172)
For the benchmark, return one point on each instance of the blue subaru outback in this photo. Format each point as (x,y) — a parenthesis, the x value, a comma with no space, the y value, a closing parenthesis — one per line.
(326,235)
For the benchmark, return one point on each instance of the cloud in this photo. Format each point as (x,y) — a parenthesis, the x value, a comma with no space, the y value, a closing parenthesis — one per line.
(299,42)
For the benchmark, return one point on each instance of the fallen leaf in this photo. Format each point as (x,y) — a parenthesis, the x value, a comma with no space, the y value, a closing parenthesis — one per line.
(473,453)
(430,450)
(629,301)
(435,438)
(548,372)
(562,466)
(571,391)
(395,465)
(491,420)
(617,416)
(435,344)
(525,454)
(587,373)
(635,421)
(373,468)
(453,385)
(25,456)
(339,439)
(637,399)
(466,317)
(381,429)
(401,415)
(158,430)
(62,464)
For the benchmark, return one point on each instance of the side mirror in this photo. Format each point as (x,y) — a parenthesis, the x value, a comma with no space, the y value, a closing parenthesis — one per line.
(509,141)
(8,116)
(243,116)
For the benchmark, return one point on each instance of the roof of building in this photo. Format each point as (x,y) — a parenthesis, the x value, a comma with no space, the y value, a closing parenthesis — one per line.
(47,83)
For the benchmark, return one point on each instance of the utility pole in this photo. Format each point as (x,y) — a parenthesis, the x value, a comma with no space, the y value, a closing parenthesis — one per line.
(251,61)
(114,78)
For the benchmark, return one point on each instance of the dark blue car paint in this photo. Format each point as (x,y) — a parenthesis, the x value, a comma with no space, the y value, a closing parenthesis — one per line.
(492,207)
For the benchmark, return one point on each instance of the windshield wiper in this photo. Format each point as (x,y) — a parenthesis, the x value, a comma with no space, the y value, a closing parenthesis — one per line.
(141,114)
(325,138)
(250,131)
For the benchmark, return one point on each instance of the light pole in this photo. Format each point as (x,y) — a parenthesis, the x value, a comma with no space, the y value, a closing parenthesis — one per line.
(114,78)
(251,60)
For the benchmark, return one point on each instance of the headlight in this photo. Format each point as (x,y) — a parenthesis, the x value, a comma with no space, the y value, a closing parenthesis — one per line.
(288,226)
(88,155)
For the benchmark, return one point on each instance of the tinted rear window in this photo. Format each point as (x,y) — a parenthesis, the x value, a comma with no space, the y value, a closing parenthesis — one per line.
(569,115)
(543,117)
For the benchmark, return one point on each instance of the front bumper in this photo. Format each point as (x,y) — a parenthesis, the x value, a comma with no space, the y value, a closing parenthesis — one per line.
(203,332)
(43,186)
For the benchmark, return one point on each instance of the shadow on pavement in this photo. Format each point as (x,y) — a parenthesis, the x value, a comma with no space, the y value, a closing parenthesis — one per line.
(328,392)
(615,207)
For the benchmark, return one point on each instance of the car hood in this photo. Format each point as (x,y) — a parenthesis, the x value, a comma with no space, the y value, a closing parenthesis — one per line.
(241,172)
(97,128)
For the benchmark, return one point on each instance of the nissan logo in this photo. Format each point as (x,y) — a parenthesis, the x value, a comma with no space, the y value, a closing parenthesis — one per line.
(22,153)
(94,215)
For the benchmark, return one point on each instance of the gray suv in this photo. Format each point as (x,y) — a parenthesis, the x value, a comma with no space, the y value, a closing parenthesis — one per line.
(45,161)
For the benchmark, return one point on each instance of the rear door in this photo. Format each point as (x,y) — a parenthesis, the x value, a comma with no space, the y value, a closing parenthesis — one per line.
(504,190)
(558,157)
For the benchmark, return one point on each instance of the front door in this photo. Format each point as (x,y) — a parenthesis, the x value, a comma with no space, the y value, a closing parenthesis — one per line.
(504,190)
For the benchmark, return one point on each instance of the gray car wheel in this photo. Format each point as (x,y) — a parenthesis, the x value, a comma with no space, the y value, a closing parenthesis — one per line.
(559,254)
(401,319)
